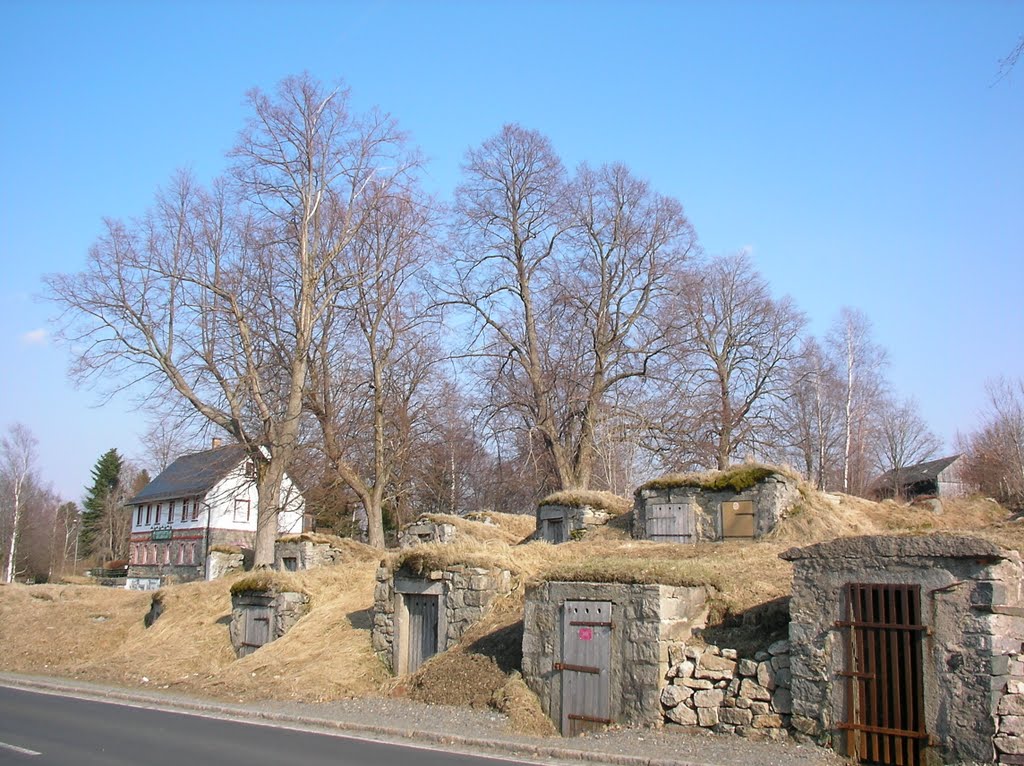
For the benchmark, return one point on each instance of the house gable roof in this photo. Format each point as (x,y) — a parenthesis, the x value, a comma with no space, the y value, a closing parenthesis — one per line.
(912,474)
(191,475)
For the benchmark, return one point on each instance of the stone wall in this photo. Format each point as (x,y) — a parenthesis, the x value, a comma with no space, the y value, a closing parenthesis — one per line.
(299,554)
(287,607)
(771,497)
(971,611)
(647,621)
(465,593)
(574,520)
(222,563)
(423,530)
(713,688)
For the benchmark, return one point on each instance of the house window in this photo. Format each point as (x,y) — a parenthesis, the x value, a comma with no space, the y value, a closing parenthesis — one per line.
(149,509)
(184,511)
(159,510)
(241,510)
(291,563)
(195,508)
(250,469)
(138,516)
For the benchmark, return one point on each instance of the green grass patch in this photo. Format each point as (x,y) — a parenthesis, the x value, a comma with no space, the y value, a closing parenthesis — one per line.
(736,479)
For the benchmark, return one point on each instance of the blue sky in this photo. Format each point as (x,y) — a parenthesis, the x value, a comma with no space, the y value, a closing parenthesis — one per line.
(864,152)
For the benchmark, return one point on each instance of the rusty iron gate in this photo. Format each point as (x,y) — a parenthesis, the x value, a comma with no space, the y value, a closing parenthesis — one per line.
(422,633)
(585,666)
(884,680)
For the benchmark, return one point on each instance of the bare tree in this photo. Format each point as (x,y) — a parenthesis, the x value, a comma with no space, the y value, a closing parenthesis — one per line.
(995,451)
(811,418)
(374,360)
(216,295)
(564,279)
(17,462)
(859,361)
(731,363)
(904,440)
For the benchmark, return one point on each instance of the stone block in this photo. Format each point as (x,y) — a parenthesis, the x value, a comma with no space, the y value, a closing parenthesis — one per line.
(708,698)
(747,668)
(1014,686)
(779,647)
(760,708)
(707,716)
(682,715)
(685,669)
(782,701)
(723,728)
(783,678)
(673,695)
(768,721)
(1006,743)
(693,683)
(1011,724)
(730,654)
(735,716)
(754,691)
(766,675)
(807,726)
(1011,704)
(780,662)
(743,703)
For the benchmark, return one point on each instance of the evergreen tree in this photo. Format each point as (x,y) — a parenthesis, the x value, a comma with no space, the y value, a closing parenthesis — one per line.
(106,477)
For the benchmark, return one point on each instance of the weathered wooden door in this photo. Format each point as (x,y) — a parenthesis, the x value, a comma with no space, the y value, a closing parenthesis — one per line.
(670,522)
(885,688)
(256,627)
(738,519)
(422,634)
(554,529)
(586,665)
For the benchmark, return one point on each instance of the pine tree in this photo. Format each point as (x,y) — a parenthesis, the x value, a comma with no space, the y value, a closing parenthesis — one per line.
(106,476)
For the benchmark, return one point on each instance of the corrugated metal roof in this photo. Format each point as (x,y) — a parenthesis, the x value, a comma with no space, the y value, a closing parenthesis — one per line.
(191,475)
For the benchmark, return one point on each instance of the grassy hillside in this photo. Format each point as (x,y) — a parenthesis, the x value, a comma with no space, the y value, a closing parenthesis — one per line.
(96,633)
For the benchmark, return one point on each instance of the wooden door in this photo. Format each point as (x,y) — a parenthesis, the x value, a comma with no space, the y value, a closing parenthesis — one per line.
(256,629)
(738,519)
(553,530)
(670,522)
(586,665)
(885,686)
(422,633)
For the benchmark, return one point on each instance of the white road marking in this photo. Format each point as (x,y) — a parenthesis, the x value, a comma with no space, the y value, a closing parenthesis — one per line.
(15,748)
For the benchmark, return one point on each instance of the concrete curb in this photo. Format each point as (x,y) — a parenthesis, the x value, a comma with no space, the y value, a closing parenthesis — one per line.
(507,748)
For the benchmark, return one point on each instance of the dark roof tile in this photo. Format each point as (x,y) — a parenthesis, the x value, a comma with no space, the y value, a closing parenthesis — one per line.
(191,475)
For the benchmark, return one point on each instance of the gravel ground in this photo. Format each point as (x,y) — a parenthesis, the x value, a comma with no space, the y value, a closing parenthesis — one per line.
(466,730)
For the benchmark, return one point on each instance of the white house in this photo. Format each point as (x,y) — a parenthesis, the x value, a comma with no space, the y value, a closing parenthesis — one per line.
(201,500)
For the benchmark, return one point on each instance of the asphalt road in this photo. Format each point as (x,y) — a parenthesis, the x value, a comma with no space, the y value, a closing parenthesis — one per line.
(53,730)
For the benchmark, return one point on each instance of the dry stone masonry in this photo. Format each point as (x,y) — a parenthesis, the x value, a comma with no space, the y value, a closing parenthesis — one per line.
(299,553)
(425,530)
(463,593)
(558,523)
(689,514)
(646,621)
(966,644)
(713,688)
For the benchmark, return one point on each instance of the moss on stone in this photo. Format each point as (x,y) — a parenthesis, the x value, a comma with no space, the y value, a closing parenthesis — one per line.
(736,479)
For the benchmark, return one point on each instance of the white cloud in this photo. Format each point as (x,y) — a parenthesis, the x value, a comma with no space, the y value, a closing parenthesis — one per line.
(34,337)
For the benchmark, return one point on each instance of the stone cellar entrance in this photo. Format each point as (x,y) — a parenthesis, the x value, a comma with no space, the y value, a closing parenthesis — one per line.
(884,677)
(586,666)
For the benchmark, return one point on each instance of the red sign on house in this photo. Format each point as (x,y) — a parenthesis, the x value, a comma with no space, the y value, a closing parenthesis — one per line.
(585,634)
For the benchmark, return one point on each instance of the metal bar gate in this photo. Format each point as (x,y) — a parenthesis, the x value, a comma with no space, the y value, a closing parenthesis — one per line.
(885,690)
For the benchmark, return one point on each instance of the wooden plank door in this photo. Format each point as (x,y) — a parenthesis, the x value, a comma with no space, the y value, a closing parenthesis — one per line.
(670,522)
(553,530)
(256,629)
(738,519)
(586,666)
(885,684)
(422,633)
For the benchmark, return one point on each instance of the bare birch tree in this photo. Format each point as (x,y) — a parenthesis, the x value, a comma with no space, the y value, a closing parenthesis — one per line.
(859,361)
(216,295)
(564,279)
(995,450)
(17,462)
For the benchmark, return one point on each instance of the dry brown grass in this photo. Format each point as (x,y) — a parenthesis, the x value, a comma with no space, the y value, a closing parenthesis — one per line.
(735,478)
(98,634)
(578,498)
(503,527)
